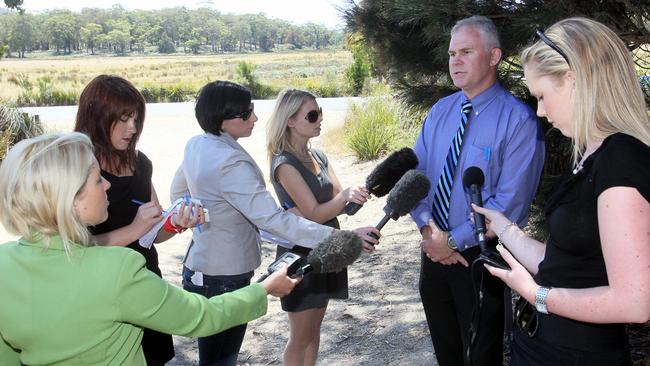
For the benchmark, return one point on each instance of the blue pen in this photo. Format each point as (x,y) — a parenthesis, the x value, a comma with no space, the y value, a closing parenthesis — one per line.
(187,202)
(137,202)
(488,153)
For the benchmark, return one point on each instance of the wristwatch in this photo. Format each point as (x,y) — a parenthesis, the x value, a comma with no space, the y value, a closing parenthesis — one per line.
(540,299)
(451,242)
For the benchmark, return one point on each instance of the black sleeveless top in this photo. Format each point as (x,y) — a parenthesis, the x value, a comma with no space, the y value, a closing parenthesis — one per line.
(320,184)
(121,211)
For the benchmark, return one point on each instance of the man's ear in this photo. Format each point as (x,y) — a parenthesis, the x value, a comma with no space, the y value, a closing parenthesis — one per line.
(495,56)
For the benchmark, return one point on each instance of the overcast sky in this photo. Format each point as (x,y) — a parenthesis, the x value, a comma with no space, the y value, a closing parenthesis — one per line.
(296,11)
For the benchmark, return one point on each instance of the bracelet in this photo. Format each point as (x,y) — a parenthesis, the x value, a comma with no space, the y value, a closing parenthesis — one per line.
(171,228)
(505,228)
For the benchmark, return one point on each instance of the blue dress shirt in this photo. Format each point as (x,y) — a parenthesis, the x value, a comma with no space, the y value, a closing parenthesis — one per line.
(503,139)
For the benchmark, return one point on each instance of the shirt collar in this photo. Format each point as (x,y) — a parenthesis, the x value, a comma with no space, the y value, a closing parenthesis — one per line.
(481,101)
(39,241)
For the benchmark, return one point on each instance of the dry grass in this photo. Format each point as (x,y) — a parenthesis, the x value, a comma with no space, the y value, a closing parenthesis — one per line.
(279,69)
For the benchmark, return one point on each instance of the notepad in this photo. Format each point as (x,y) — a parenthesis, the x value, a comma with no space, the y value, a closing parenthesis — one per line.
(147,239)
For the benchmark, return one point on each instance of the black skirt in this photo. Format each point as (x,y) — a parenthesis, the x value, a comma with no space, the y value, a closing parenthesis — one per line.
(315,289)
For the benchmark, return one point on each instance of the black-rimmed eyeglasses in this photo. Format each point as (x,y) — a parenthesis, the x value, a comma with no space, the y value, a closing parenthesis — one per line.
(540,33)
(245,115)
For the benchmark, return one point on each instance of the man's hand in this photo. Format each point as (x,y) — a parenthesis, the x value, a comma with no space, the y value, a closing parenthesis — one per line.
(434,244)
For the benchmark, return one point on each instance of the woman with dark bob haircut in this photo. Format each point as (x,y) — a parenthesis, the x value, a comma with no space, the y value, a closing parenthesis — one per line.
(217,170)
(111,112)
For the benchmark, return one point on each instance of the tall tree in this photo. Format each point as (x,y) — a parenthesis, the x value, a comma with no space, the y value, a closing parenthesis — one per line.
(410,37)
(89,34)
(21,34)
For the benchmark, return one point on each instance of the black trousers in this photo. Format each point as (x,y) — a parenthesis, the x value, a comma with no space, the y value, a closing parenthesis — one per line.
(448,298)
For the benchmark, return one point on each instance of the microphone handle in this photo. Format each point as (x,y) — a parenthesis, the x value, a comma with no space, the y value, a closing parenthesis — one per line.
(264,276)
(479,220)
(352,208)
(380,225)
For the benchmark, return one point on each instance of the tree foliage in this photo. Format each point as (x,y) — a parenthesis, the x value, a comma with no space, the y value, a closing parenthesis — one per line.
(116,30)
(410,37)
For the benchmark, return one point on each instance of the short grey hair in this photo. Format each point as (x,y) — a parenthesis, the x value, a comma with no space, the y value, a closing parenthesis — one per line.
(484,25)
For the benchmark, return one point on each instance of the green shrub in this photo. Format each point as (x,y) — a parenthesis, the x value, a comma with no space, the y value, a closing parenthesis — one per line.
(45,93)
(15,126)
(168,93)
(377,127)
(245,75)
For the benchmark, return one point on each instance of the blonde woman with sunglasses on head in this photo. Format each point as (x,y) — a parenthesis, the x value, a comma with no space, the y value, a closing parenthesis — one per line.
(67,301)
(304,179)
(593,274)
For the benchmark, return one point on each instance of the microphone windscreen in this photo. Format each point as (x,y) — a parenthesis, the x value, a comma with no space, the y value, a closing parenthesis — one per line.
(473,175)
(408,191)
(385,175)
(336,252)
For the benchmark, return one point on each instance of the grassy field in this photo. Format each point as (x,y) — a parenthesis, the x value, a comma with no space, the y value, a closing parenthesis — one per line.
(301,69)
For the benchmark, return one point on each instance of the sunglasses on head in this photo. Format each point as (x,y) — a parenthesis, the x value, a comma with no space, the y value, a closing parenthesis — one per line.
(540,33)
(312,116)
(245,115)
(526,317)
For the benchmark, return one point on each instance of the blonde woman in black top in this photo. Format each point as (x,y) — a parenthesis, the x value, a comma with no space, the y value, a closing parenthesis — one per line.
(593,274)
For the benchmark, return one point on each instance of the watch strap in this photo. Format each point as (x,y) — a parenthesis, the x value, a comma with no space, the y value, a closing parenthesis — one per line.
(540,299)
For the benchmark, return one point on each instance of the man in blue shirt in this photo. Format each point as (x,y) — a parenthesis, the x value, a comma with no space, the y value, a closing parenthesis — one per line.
(501,136)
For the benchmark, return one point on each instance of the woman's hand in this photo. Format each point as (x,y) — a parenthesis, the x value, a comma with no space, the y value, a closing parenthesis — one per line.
(278,284)
(495,222)
(518,278)
(357,195)
(367,240)
(188,216)
(149,214)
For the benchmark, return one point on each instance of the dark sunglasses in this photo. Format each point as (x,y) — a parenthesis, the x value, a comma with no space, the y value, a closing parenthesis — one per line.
(540,33)
(312,116)
(526,317)
(245,115)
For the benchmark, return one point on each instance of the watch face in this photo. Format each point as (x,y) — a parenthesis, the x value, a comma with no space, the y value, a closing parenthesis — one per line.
(451,243)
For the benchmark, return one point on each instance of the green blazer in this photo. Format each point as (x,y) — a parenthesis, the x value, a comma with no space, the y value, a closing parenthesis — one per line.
(87,309)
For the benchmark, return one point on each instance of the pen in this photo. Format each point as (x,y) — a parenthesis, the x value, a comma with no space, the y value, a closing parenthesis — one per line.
(187,202)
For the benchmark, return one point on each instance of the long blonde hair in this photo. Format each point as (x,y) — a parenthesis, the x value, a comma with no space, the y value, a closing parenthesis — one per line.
(608,96)
(41,178)
(277,133)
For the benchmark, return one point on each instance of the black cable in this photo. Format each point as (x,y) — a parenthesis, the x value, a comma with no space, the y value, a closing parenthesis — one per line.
(476,313)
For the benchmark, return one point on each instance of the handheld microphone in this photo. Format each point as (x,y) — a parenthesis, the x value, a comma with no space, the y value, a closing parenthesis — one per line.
(473,179)
(333,254)
(407,193)
(385,175)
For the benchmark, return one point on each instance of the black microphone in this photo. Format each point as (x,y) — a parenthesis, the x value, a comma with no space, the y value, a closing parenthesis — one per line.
(333,254)
(385,175)
(407,193)
(473,179)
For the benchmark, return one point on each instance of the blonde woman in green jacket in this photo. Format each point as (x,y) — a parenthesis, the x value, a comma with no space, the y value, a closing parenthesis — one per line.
(68,302)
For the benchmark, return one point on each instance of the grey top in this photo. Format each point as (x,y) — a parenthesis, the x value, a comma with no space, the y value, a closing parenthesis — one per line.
(219,172)
(320,184)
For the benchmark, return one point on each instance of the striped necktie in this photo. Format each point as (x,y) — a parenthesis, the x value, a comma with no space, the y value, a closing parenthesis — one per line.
(442,195)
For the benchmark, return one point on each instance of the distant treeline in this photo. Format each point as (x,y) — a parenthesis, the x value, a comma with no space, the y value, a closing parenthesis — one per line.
(119,31)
